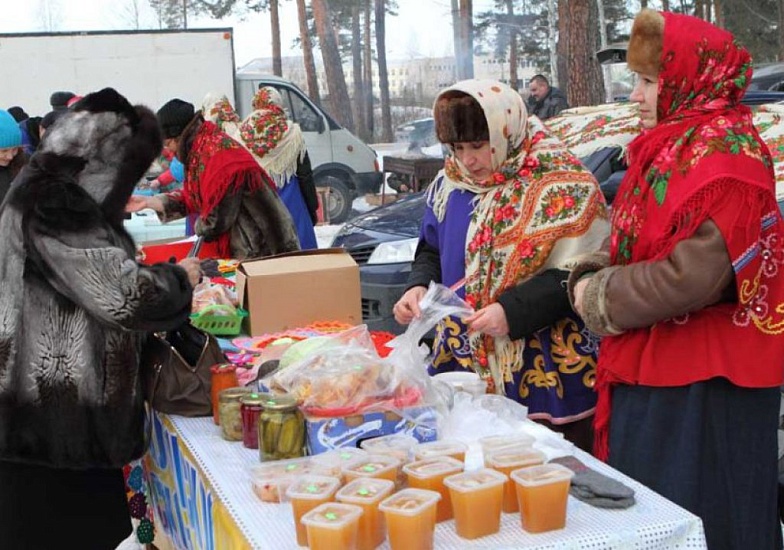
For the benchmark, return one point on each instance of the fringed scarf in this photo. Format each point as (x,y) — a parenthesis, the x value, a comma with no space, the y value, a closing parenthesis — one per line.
(704,160)
(276,142)
(218,165)
(585,130)
(539,196)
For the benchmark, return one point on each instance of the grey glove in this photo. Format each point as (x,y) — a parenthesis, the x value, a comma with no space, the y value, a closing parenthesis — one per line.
(594,488)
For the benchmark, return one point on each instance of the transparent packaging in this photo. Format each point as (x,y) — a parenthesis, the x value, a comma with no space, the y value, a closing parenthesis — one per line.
(332,525)
(476,501)
(305,494)
(542,492)
(509,459)
(430,474)
(367,493)
(411,518)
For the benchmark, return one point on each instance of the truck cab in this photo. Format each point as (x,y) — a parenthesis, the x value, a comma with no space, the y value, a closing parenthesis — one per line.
(340,160)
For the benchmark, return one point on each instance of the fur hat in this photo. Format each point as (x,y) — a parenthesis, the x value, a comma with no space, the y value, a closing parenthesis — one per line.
(59,100)
(644,52)
(18,113)
(460,118)
(10,134)
(174,116)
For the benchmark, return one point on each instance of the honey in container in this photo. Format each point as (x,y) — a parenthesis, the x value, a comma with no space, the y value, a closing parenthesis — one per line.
(476,500)
(411,518)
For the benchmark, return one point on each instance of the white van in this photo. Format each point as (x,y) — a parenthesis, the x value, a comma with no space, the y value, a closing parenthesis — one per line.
(340,160)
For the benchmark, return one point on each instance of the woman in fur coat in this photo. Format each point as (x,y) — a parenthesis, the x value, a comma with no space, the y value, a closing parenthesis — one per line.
(74,310)
(691,305)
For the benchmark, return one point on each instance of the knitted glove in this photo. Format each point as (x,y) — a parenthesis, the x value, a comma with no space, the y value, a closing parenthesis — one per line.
(594,488)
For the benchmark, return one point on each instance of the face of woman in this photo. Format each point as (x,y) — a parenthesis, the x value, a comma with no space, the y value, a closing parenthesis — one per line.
(7,155)
(476,157)
(646,93)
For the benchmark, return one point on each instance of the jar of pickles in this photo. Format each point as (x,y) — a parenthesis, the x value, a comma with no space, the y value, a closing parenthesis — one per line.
(224,375)
(229,412)
(281,428)
(250,410)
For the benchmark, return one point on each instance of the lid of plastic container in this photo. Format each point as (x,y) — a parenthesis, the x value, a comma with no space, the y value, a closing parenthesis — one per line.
(371,465)
(438,448)
(409,502)
(492,442)
(436,466)
(311,487)
(387,442)
(365,490)
(339,457)
(469,482)
(233,394)
(295,466)
(544,474)
(515,457)
(332,515)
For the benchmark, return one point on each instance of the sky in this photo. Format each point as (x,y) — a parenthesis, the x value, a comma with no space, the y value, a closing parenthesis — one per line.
(423,27)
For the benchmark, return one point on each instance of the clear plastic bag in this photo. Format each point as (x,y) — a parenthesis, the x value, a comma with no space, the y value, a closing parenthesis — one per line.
(349,376)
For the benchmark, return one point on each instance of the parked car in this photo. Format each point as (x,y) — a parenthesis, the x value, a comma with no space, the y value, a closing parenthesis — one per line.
(383,241)
(768,77)
(417,133)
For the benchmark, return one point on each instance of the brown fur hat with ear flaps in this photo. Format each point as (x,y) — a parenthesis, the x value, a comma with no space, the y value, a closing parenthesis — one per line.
(459,119)
(644,52)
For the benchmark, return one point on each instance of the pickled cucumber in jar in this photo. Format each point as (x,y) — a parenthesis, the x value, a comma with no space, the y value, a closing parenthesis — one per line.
(281,428)
(229,412)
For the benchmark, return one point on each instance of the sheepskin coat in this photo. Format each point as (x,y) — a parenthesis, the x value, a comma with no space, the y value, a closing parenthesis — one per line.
(74,304)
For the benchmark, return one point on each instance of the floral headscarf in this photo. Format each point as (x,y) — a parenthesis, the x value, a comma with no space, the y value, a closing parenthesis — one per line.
(275,141)
(540,209)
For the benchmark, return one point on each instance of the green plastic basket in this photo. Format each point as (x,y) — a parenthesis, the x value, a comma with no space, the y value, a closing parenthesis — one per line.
(219,320)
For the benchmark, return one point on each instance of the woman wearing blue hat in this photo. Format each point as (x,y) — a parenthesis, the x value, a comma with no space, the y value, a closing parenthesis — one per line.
(11,156)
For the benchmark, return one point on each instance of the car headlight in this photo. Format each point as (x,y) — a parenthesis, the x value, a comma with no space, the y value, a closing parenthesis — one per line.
(394,252)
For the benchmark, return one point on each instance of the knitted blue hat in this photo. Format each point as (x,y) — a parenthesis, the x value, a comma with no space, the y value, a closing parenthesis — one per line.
(10,134)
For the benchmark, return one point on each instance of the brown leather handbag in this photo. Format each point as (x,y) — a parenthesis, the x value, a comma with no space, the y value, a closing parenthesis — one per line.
(175,370)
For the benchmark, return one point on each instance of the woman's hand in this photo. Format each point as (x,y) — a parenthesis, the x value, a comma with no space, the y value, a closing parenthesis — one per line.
(192,267)
(407,308)
(490,320)
(579,291)
(136,203)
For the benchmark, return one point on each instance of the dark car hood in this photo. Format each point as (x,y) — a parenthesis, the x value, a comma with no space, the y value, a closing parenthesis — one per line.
(403,217)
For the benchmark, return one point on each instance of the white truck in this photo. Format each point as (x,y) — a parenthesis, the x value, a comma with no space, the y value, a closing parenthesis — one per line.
(151,67)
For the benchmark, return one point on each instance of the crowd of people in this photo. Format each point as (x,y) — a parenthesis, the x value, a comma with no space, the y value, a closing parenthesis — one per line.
(628,329)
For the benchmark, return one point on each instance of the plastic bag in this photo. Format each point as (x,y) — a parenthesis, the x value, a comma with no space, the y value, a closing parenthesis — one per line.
(207,294)
(345,375)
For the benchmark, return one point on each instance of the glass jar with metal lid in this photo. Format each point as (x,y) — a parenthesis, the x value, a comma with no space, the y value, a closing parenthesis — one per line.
(281,428)
(229,412)
(224,375)
(251,406)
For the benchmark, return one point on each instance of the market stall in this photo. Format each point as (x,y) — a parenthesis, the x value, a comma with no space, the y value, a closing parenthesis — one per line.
(339,387)
(202,494)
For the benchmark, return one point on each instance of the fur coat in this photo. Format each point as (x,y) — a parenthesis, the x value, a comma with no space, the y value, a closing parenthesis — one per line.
(74,304)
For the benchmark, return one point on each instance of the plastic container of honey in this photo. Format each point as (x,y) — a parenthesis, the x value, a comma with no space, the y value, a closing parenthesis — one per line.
(331,526)
(367,493)
(430,474)
(542,492)
(411,518)
(476,500)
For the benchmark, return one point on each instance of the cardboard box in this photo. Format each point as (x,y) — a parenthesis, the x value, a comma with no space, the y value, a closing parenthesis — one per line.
(325,434)
(297,289)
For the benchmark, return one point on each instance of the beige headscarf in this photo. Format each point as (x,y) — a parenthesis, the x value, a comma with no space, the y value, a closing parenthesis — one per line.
(540,209)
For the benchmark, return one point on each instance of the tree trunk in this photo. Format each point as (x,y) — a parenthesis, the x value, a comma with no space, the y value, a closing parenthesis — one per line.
(578,31)
(562,47)
(277,65)
(466,68)
(356,56)
(665,5)
(383,77)
(718,13)
(512,47)
(698,9)
(333,67)
(781,30)
(307,53)
(643,4)
(606,75)
(367,81)
(457,37)
(552,32)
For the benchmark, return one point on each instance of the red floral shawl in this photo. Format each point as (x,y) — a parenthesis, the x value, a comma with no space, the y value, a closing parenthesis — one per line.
(217,165)
(704,160)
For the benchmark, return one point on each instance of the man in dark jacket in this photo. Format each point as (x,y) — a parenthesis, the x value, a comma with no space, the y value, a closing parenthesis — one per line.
(545,101)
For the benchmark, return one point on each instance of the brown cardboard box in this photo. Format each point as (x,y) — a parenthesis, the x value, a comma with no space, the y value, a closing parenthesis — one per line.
(299,288)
